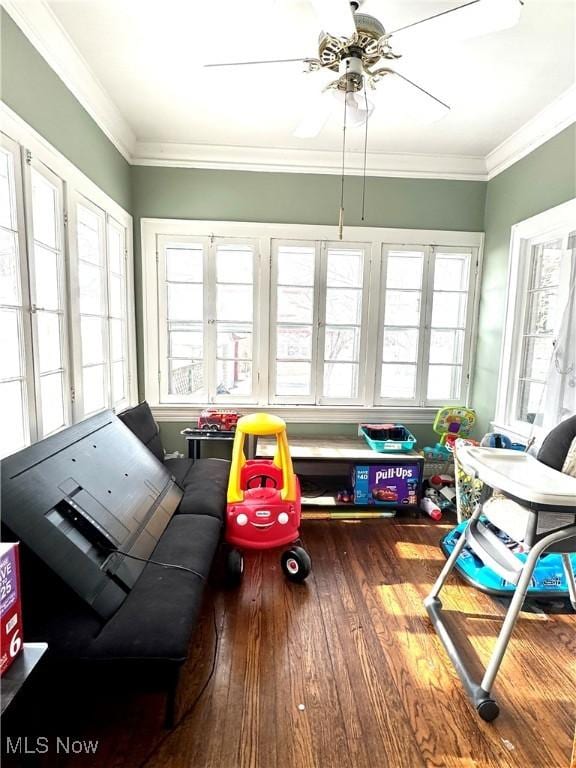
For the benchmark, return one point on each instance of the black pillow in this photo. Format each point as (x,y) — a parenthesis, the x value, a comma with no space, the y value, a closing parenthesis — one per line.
(557,443)
(140,421)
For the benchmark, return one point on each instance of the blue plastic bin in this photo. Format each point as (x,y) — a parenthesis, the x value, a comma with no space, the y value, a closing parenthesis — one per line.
(387,438)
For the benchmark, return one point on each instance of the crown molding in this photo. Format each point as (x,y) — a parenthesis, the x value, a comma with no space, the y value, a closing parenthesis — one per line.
(38,22)
(42,28)
(291,160)
(553,119)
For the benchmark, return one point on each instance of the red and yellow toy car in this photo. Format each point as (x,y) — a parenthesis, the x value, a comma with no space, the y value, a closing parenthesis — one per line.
(264,501)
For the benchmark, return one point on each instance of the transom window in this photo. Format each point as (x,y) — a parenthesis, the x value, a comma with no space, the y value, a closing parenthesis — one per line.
(250,316)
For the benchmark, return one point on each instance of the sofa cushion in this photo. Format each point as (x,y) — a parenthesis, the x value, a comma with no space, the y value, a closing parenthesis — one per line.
(140,421)
(204,482)
(157,618)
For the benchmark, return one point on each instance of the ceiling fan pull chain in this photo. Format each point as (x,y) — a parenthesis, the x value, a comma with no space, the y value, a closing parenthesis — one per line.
(341,216)
(365,150)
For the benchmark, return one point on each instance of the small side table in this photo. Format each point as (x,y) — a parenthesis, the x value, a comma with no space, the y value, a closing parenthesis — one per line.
(19,671)
(195,437)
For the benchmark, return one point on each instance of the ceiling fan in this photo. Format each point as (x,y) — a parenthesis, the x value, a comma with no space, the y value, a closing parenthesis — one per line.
(356,58)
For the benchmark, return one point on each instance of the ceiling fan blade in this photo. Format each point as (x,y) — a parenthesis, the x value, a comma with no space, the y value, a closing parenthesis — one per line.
(471,19)
(251,63)
(402,99)
(335,17)
(316,115)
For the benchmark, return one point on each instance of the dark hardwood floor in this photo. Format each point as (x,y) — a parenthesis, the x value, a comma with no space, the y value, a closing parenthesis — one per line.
(346,672)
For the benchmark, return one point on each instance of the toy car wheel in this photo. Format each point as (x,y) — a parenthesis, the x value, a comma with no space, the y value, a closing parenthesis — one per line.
(234,568)
(296,564)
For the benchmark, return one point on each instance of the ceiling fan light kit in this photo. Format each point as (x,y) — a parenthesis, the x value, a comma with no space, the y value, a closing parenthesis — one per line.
(357,48)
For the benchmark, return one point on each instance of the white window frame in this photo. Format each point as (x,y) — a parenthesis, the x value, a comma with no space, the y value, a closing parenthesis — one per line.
(543,227)
(29,148)
(372,238)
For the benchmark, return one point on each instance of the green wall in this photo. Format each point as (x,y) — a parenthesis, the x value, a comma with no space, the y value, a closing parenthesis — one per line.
(34,91)
(541,180)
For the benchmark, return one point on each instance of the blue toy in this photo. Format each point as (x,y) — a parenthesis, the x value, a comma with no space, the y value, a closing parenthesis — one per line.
(548,580)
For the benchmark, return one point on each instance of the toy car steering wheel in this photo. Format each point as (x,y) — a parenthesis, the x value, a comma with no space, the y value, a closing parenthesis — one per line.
(263,482)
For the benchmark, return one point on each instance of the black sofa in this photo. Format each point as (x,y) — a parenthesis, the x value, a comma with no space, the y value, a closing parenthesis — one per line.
(148,638)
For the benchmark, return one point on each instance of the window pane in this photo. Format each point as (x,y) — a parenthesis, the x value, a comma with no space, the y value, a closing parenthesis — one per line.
(537,357)
(6,190)
(446,346)
(404,270)
(530,400)
(296,265)
(398,381)
(116,296)
(46,269)
(91,298)
(115,249)
(451,271)
(449,310)
(542,312)
(344,268)
(184,265)
(234,264)
(402,308)
(545,267)
(340,380)
(400,345)
(9,279)
(234,302)
(185,302)
(117,339)
(234,342)
(94,393)
(233,377)
(444,382)
(52,402)
(342,344)
(343,306)
(10,363)
(44,210)
(92,332)
(186,343)
(49,344)
(295,305)
(118,383)
(293,379)
(89,236)
(12,436)
(294,342)
(186,377)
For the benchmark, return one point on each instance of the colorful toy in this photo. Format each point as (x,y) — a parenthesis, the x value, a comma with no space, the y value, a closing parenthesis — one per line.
(263,509)
(451,422)
(217,420)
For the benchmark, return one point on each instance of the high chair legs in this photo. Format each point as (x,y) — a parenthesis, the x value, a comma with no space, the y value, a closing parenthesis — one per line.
(480,692)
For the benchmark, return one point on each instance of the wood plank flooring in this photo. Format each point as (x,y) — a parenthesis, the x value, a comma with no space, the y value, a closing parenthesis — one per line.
(346,672)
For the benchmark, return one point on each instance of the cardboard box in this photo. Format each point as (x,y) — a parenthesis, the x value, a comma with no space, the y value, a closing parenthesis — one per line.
(11,642)
(394,484)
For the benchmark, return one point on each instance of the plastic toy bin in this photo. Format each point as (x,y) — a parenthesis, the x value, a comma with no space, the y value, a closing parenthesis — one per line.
(387,438)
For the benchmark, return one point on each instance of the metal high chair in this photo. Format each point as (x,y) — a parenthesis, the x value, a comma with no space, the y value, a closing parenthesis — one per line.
(535,505)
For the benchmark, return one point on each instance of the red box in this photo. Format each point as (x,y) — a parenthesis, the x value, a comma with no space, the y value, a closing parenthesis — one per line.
(11,642)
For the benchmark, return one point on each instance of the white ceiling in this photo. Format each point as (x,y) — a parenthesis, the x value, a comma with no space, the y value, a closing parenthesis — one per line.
(148,57)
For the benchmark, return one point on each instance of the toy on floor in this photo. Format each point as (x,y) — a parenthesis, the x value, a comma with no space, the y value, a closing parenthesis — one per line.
(263,510)
(451,422)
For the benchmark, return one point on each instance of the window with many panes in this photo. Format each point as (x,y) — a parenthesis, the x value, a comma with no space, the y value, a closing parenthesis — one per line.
(65,325)
(292,321)
(542,288)
(206,300)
